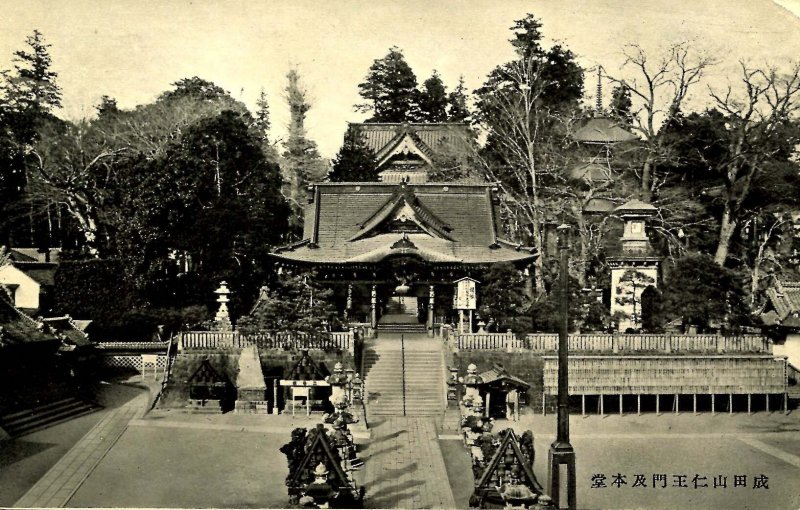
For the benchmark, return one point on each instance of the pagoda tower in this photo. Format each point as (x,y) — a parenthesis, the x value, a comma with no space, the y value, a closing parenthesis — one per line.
(635,268)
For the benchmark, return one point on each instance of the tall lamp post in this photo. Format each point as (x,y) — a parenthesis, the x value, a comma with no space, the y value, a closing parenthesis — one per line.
(561,456)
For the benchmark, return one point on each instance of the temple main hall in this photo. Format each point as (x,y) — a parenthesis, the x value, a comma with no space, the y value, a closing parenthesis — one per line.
(396,248)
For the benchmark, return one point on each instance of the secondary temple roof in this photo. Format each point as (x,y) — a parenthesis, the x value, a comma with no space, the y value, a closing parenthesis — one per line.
(350,223)
(406,150)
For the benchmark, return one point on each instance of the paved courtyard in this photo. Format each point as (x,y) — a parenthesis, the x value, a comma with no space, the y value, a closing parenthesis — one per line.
(170,459)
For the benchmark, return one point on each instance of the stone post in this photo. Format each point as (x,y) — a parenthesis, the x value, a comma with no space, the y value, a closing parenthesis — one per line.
(374,307)
(431,301)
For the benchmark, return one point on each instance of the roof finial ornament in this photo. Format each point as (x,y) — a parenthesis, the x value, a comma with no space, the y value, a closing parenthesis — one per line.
(599,98)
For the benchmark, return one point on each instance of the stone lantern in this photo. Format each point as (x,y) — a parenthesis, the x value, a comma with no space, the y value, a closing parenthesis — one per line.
(471,383)
(222,319)
(338,381)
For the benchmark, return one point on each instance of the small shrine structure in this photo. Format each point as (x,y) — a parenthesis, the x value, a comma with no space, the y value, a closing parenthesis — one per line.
(502,393)
(304,381)
(508,480)
(316,472)
(209,391)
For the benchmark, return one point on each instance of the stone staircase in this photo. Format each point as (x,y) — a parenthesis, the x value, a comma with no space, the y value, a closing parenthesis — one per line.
(412,376)
(30,420)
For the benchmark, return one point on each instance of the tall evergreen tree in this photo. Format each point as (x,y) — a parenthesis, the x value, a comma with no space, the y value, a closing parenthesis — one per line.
(389,89)
(30,95)
(302,163)
(621,104)
(432,100)
(457,110)
(355,162)
(262,121)
(33,87)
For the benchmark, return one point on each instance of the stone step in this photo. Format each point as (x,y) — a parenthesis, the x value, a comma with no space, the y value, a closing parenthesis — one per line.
(31,420)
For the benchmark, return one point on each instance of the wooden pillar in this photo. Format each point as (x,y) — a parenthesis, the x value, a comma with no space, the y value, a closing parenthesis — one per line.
(639,403)
(620,404)
(749,398)
(694,403)
(374,307)
(544,403)
(583,405)
(470,322)
(766,397)
(602,402)
(785,402)
(675,404)
(486,406)
(730,403)
(430,311)
(712,403)
(461,322)
(658,404)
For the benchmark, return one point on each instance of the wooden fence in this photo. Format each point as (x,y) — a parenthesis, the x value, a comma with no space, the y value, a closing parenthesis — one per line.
(212,340)
(548,342)
(608,375)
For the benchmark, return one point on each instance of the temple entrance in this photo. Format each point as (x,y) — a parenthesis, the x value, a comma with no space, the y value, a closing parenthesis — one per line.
(401,310)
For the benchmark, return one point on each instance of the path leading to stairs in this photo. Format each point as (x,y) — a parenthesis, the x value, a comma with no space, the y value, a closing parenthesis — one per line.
(404,466)
(58,485)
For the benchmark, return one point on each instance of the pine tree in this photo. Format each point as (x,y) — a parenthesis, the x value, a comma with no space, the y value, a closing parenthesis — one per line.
(33,88)
(432,100)
(390,89)
(457,103)
(355,162)
(262,122)
(620,107)
(302,163)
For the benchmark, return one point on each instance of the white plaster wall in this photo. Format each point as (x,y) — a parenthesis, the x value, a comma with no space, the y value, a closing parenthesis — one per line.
(790,349)
(27,292)
(616,274)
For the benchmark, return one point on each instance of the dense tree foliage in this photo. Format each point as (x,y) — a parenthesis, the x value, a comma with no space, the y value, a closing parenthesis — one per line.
(355,162)
(699,293)
(390,89)
(295,303)
(432,100)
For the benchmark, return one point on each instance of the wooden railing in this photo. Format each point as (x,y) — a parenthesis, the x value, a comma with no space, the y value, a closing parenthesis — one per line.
(740,374)
(199,340)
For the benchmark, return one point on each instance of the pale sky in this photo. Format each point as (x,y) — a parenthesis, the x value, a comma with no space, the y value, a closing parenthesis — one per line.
(132,50)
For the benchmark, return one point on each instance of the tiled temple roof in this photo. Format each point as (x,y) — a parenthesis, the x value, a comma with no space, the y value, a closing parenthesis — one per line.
(458,225)
(785,300)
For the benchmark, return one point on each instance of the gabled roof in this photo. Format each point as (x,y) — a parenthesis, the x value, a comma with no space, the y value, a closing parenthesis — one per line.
(305,369)
(431,136)
(65,327)
(318,450)
(636,206)
(603,130)
(509,445)
(18,328)
(498,374)
(34,255)
(458,220)
(206,375)
(405,202)
(785,299)
(42,272)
